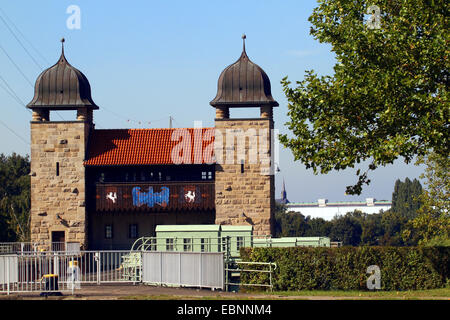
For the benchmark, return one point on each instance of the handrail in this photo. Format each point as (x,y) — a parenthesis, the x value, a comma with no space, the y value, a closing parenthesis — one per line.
(270,264)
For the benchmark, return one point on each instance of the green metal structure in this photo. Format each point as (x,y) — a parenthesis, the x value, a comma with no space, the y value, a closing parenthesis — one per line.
(217,238)
(211,238)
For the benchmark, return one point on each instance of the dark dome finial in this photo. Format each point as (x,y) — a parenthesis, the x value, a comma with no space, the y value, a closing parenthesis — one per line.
(62,87)
(62,58)
(243,84)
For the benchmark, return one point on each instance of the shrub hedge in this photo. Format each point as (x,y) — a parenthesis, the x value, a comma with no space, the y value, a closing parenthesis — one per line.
(302,268)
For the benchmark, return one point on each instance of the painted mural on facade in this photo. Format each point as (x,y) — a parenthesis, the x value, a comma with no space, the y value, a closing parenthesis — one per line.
(154,197)
(151,198)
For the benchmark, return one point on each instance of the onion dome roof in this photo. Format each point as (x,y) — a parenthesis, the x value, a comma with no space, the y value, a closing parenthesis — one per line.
(243,84)
(62,87)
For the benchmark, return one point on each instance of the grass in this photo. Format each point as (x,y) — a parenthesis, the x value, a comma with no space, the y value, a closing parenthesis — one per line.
(443,293)
(432,293)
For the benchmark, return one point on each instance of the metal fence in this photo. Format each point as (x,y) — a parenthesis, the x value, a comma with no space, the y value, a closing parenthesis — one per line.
(46,274)
(54,272)
(18,247)
(189,269)
(34,247)
(264,269)
(64,271)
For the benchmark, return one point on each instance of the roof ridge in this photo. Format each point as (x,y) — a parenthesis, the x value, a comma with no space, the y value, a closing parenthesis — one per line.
(148,129)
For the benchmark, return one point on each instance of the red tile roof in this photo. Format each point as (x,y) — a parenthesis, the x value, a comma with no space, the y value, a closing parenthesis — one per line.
(150,146)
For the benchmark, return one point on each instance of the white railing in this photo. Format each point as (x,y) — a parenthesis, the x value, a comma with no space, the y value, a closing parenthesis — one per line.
(18,247)
(63,271)
(45,274)
(34,247)
(52,272)
(238,267)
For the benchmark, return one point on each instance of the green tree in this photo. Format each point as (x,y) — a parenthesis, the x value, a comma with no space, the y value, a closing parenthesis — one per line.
(346,229)
(372,229)
(387,98)
(289,224)
(393,224)
(406,198)
(432,225)
(318,227)
(14,198)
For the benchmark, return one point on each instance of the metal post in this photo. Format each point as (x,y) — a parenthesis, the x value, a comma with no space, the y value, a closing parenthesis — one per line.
(73,275)
(160,268)
(201,265)
(226,273)
(7,273)
(99,264)
(179,268)
(56,264)
(270,277)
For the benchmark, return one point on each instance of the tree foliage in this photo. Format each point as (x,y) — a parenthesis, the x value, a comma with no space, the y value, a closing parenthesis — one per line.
(387,98)
(406,198)
(432,225)
(14,198)
(346,229)
(386,228)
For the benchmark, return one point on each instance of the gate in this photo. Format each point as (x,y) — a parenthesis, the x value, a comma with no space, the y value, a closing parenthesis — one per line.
(189,269)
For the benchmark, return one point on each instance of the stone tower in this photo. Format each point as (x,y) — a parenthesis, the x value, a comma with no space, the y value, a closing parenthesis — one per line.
(58,149)
(243,149)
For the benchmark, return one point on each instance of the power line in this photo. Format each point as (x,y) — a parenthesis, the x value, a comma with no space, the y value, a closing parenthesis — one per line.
(17,67)
(29,54)
(10,94)
(132,120)
(20,42)
(23,36)
(15,133)
(16,97)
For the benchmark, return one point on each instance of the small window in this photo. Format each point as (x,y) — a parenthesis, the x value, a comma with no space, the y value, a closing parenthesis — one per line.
(133,231)
(169,244)
(204,175)
(187,245)
(108,231)
(57,169)
(239,242)
(224,244)
(204,245)
(153,245)
(209,175)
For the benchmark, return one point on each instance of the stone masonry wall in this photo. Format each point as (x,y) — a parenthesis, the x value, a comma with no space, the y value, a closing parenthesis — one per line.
(248,197)
(58,203)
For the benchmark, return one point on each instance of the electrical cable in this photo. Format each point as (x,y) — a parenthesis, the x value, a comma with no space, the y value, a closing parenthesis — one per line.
(15,133)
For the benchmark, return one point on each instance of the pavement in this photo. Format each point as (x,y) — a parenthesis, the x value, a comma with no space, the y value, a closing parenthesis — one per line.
(129,291)
(149,292)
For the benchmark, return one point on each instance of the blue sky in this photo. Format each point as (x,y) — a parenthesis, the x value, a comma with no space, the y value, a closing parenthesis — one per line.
(148,60)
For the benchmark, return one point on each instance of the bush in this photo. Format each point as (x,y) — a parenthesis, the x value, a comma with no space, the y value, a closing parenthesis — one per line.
(301,268)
